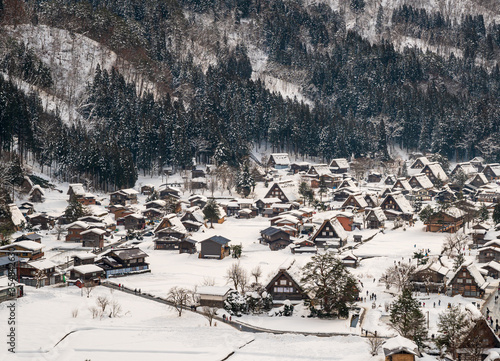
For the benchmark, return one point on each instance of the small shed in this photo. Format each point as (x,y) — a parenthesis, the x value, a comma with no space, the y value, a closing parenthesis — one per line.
(215,247)
(400,348)
(213,296)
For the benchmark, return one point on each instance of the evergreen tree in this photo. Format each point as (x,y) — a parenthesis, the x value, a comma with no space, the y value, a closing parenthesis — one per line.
(453,325)
(496,214)
(245,182)
(211,211)
(75,210)
(323,189)
(484,213)
(407,318)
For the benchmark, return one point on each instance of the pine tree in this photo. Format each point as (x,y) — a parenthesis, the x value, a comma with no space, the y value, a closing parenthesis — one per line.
(211,212)
(496,214)
(75,210)
(407,318)
(245,182)
(484,214)
(453,325)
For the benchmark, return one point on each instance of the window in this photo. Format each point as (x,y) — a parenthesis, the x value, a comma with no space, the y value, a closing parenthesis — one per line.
(323,233)
(464,274)
(460,280)
(283,282)
(468,281)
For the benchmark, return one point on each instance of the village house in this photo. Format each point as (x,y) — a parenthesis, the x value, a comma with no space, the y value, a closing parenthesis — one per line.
(492,171)
(152,214)
(349,260)
(27,208)
(167,192)
(346,219)
(478,233)
(119,211)
(187,245)
(355,201)
(216,247)
(430,278)
(330,234)
(39,273)
(213,296)
(400,348)
(93,237)
(492,269)
(26,185)
(134,221)
(420,163)
(42,219)
(6,289)
(197,200)
(339,166)
(83,258)
(490,252)
(481,332)
(298,167)
(166,243)
(435,173)
(371,200)
(467,281)
(264,203)
(124,197)
(396,205)
(33,236)
(171,221)
(402,185)
(449,220)
(193,219)
(374,177)
(281,191)
(275,238)
(390,179)
(420,181)
(36,194)
(284,287)
(88,199)
(303,246)
(375,218)
(16,217)
(75,192)
(24,250)
(147,189)
(279,161)
(74,231)
(466,168)
(116,262)
(87,274)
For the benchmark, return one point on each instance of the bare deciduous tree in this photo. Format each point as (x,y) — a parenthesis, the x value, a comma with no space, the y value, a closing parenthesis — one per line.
(94,311)
(74,313)
(374,343)
(208,281)
(89,287)
(454,244)
(116,309)
(398,275)
(256,273)
(237,274)
(102,302)
(209,313)
(179,298)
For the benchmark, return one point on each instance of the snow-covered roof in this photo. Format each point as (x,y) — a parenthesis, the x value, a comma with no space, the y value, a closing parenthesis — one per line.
(213,290)
(129,191)
(402,183)
(321,169)
(495,168)
(30,245)
(454,212)
(398,344)
(339,163)
(474,272)
(402,202)
(87,268)
(77,189)
(158,203)
(424,161)
(94,230)
(281,158)
(423,180)
(493,264)
(16,215)
(42,264)
(37,188)
(379,213)
(481,177)
(134,215)
(466,167)
(86,255)
(78,224)
(438,171)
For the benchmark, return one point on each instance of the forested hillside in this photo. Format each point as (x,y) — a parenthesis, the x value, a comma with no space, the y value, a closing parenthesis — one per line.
(215,73)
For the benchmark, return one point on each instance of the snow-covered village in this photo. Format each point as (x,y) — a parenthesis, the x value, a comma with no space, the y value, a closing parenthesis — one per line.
(283,260)
(212,180)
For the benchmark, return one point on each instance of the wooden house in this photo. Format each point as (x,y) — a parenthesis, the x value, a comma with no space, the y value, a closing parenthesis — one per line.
(74,231)
(36,194)
(264,203)
(492,171)
(124,197)
(396,205)
(156,204)
(319,170)
(166,243)
(197,200)
(10,289)
(88,199)
(167,192)
(430,278)
(213,296)
(187,245)
(275,237)
(17,219)
(26,184)
(348,183)
(339,166)
(371,200)
(284,287)
(87,274)
(171,221)
(147,189)
(75,192)
(400,348)
(152,214)
(247,213)
(346,220)
(121,261)
(303,246)
(83,258)
(435,173)
(93,237)
(42,219)
(279,161)
(467,281)
(193,219)
(27,208)
(420,163)
(375,218)
(330,234)
(278,190)
(402,185)
(449,220)
(478,233)
(45,270)
(374,177)
(420,181)
(480,333)
(466,168)
(488,253)
(349,260)
(492,269)
(298,167)
(355,201)
(390,180)
(135,221)
(24,250)
(33,236)
(215,247)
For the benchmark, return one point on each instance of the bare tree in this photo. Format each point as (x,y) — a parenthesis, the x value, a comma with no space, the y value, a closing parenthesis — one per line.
(39,278)
(116,309)
(59,231)
(102,302)
(94,311)
(256,273)
(208,281)
(374,343)
(454,243)
(209,313)
(238,276)
(398,275)
(89,287)
(74,313)
(179,298)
